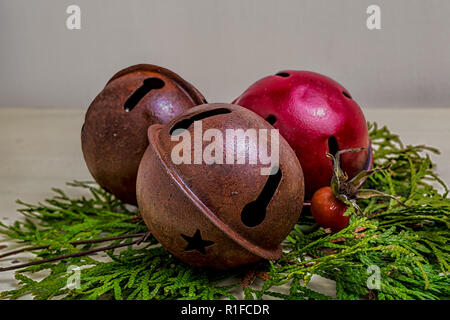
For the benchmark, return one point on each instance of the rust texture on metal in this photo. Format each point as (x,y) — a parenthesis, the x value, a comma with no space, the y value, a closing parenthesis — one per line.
(218,215)
(114,134)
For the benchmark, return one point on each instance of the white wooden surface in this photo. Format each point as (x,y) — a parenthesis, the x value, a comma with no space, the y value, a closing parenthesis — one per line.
(40,149)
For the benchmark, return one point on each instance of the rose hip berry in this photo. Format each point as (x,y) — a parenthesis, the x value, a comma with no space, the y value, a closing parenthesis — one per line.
(329,203)
(328,211)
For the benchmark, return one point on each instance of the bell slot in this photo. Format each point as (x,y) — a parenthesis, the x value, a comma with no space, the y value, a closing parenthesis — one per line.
(148,85)
(283,74)
(254,212)
(186,123)
(333,146)
(346,94)
(271,119)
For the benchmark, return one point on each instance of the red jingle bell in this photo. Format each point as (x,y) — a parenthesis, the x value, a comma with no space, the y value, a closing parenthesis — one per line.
(114,134)
(315,115)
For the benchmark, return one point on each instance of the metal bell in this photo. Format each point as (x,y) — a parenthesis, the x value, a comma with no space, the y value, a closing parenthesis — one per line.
(210,211)
(114,134)
(316,115)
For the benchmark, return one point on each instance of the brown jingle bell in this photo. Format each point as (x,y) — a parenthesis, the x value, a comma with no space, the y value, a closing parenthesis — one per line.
(217,213)
(114,134)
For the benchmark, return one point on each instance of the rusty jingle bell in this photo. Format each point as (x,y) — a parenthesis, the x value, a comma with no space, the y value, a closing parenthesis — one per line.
(216,213)
(114,134)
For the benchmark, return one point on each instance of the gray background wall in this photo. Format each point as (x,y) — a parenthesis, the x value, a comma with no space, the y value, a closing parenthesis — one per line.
(224,46)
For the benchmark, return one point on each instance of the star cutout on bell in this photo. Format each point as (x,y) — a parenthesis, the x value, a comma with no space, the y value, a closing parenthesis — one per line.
(196,242)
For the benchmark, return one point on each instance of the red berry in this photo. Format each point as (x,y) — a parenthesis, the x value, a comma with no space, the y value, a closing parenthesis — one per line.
(328,211)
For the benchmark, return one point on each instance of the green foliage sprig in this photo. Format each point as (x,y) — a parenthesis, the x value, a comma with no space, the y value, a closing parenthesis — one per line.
(408,246)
